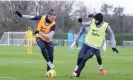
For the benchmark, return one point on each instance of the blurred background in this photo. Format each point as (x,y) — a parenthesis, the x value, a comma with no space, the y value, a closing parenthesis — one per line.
(68,12)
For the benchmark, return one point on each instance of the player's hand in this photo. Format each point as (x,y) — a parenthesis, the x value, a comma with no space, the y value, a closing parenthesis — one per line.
(80,20)
(115,50)
(72,45)
(18,13)
(36,32)
(54,44)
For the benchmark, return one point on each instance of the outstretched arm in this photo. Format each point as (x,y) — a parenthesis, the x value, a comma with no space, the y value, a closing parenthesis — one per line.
(32,17)
(28,16)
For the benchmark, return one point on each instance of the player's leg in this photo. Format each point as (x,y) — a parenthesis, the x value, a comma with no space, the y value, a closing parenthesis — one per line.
(87,56)
(50,49)
(30,47)
(77,44)
(80,56)
(45,54)
(99,60)
(82,51)
(27,45)
(42,46)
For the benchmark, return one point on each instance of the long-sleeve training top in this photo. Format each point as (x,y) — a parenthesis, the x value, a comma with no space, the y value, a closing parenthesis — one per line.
(85,28)
(52,30)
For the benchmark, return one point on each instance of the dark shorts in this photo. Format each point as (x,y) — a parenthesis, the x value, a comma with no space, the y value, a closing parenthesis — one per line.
(87,50)
(47,45)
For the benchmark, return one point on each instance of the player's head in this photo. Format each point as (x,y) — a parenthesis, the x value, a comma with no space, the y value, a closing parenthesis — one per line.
(90,16)
(80,20)
(51,15)
(28,29)
(98,18)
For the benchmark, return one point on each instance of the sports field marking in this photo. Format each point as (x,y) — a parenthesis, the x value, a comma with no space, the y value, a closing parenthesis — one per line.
(7,78)
(59,62)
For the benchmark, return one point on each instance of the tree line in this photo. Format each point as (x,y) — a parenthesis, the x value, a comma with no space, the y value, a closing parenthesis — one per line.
(67,15)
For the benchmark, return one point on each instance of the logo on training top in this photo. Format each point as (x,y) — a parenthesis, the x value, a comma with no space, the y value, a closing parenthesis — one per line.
(94,33)
(42,29)
(94,30)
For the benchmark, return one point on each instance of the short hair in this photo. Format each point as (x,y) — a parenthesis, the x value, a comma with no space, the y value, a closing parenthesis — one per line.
(90,16)
(52,12)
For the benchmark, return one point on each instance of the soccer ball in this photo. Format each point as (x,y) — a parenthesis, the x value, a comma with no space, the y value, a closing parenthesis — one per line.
(51,73)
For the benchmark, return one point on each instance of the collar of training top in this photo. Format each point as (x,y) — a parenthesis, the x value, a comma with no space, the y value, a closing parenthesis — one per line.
(46,19)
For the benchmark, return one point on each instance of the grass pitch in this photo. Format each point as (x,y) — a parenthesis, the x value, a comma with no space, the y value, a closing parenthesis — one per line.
(16,64)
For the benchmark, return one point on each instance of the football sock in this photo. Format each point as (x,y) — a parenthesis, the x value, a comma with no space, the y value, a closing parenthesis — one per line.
(76,67)
(101,66)
(50,64)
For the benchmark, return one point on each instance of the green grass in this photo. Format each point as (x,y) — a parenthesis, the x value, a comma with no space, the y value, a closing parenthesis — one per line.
(16,64)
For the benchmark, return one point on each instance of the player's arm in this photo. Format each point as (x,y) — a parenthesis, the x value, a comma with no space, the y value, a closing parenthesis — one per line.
(28,16)
(50,34)
(82,30)
(86,23)
(112,39)
(31,17)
